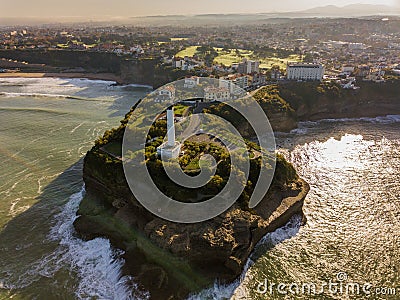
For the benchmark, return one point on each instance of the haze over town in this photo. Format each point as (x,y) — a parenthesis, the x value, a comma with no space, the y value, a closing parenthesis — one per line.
(99,9)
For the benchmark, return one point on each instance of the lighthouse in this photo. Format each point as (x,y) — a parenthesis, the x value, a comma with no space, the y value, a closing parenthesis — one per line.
(170,127)
(171,148)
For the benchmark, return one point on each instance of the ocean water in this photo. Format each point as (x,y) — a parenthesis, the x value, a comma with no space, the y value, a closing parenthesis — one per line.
(352,234)
(47,125)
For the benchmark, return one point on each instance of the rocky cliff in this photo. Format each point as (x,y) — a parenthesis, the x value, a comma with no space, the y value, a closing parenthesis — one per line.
(313,101)
(170,259)
(128,70)
(288,103)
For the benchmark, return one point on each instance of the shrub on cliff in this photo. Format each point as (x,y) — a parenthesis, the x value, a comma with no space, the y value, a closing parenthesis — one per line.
(285,173)
(308,93)
(270,99)
(115,134)
(111,142)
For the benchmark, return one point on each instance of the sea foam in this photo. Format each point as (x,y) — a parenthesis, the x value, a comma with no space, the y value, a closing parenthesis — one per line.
(237,289)
(97,264)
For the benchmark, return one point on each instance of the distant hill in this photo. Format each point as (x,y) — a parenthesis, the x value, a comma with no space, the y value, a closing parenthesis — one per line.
(349,10)
(352,10)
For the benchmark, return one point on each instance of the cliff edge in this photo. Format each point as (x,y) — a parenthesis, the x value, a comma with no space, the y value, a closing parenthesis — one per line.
(171,260)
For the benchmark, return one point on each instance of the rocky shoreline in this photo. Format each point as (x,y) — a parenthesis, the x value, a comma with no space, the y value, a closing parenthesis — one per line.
(371,100)
(92,76)
(172,260)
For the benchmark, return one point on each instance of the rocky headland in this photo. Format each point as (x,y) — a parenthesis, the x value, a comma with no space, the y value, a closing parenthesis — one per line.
(169,259)
(172,260)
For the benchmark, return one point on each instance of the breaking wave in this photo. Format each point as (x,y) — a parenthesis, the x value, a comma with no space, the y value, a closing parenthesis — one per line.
(238,287)
(97,264)
(43,95)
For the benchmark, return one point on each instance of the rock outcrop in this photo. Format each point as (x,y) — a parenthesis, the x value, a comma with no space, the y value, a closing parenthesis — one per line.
(170,259)
(371,100)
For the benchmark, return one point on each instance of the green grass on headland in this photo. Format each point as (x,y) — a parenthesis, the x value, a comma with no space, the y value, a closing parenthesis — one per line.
(181,110)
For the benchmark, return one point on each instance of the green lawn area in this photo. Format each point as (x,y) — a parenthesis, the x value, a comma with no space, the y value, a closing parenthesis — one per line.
(228,58)
(178,39)
(180,109)
(232,56)
(189,51)
(267,63)
(224,57)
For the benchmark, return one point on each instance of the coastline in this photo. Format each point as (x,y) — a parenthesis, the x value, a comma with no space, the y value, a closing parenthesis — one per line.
(347,107)
(368,110)
(158,262)
(91,76)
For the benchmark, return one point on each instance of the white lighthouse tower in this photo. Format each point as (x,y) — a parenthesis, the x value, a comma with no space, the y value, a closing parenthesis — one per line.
(170,127)
(170,148)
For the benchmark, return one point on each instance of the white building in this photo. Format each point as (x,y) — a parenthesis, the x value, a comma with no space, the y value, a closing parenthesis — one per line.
(167,93)
(216,94)
(171,148)
(224,83)
(191,82)
(242,81)
(249,67)
(178,62)
(306,72)
(235,83)
(348,69)
(356,46)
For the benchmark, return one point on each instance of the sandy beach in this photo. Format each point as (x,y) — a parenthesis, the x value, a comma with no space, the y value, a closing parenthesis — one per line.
(94,76)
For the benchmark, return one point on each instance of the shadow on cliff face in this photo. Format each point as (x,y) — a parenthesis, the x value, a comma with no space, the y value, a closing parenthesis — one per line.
(26,248)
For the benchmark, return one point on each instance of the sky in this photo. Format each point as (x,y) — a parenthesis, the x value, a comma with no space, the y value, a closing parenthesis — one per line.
(131,8)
